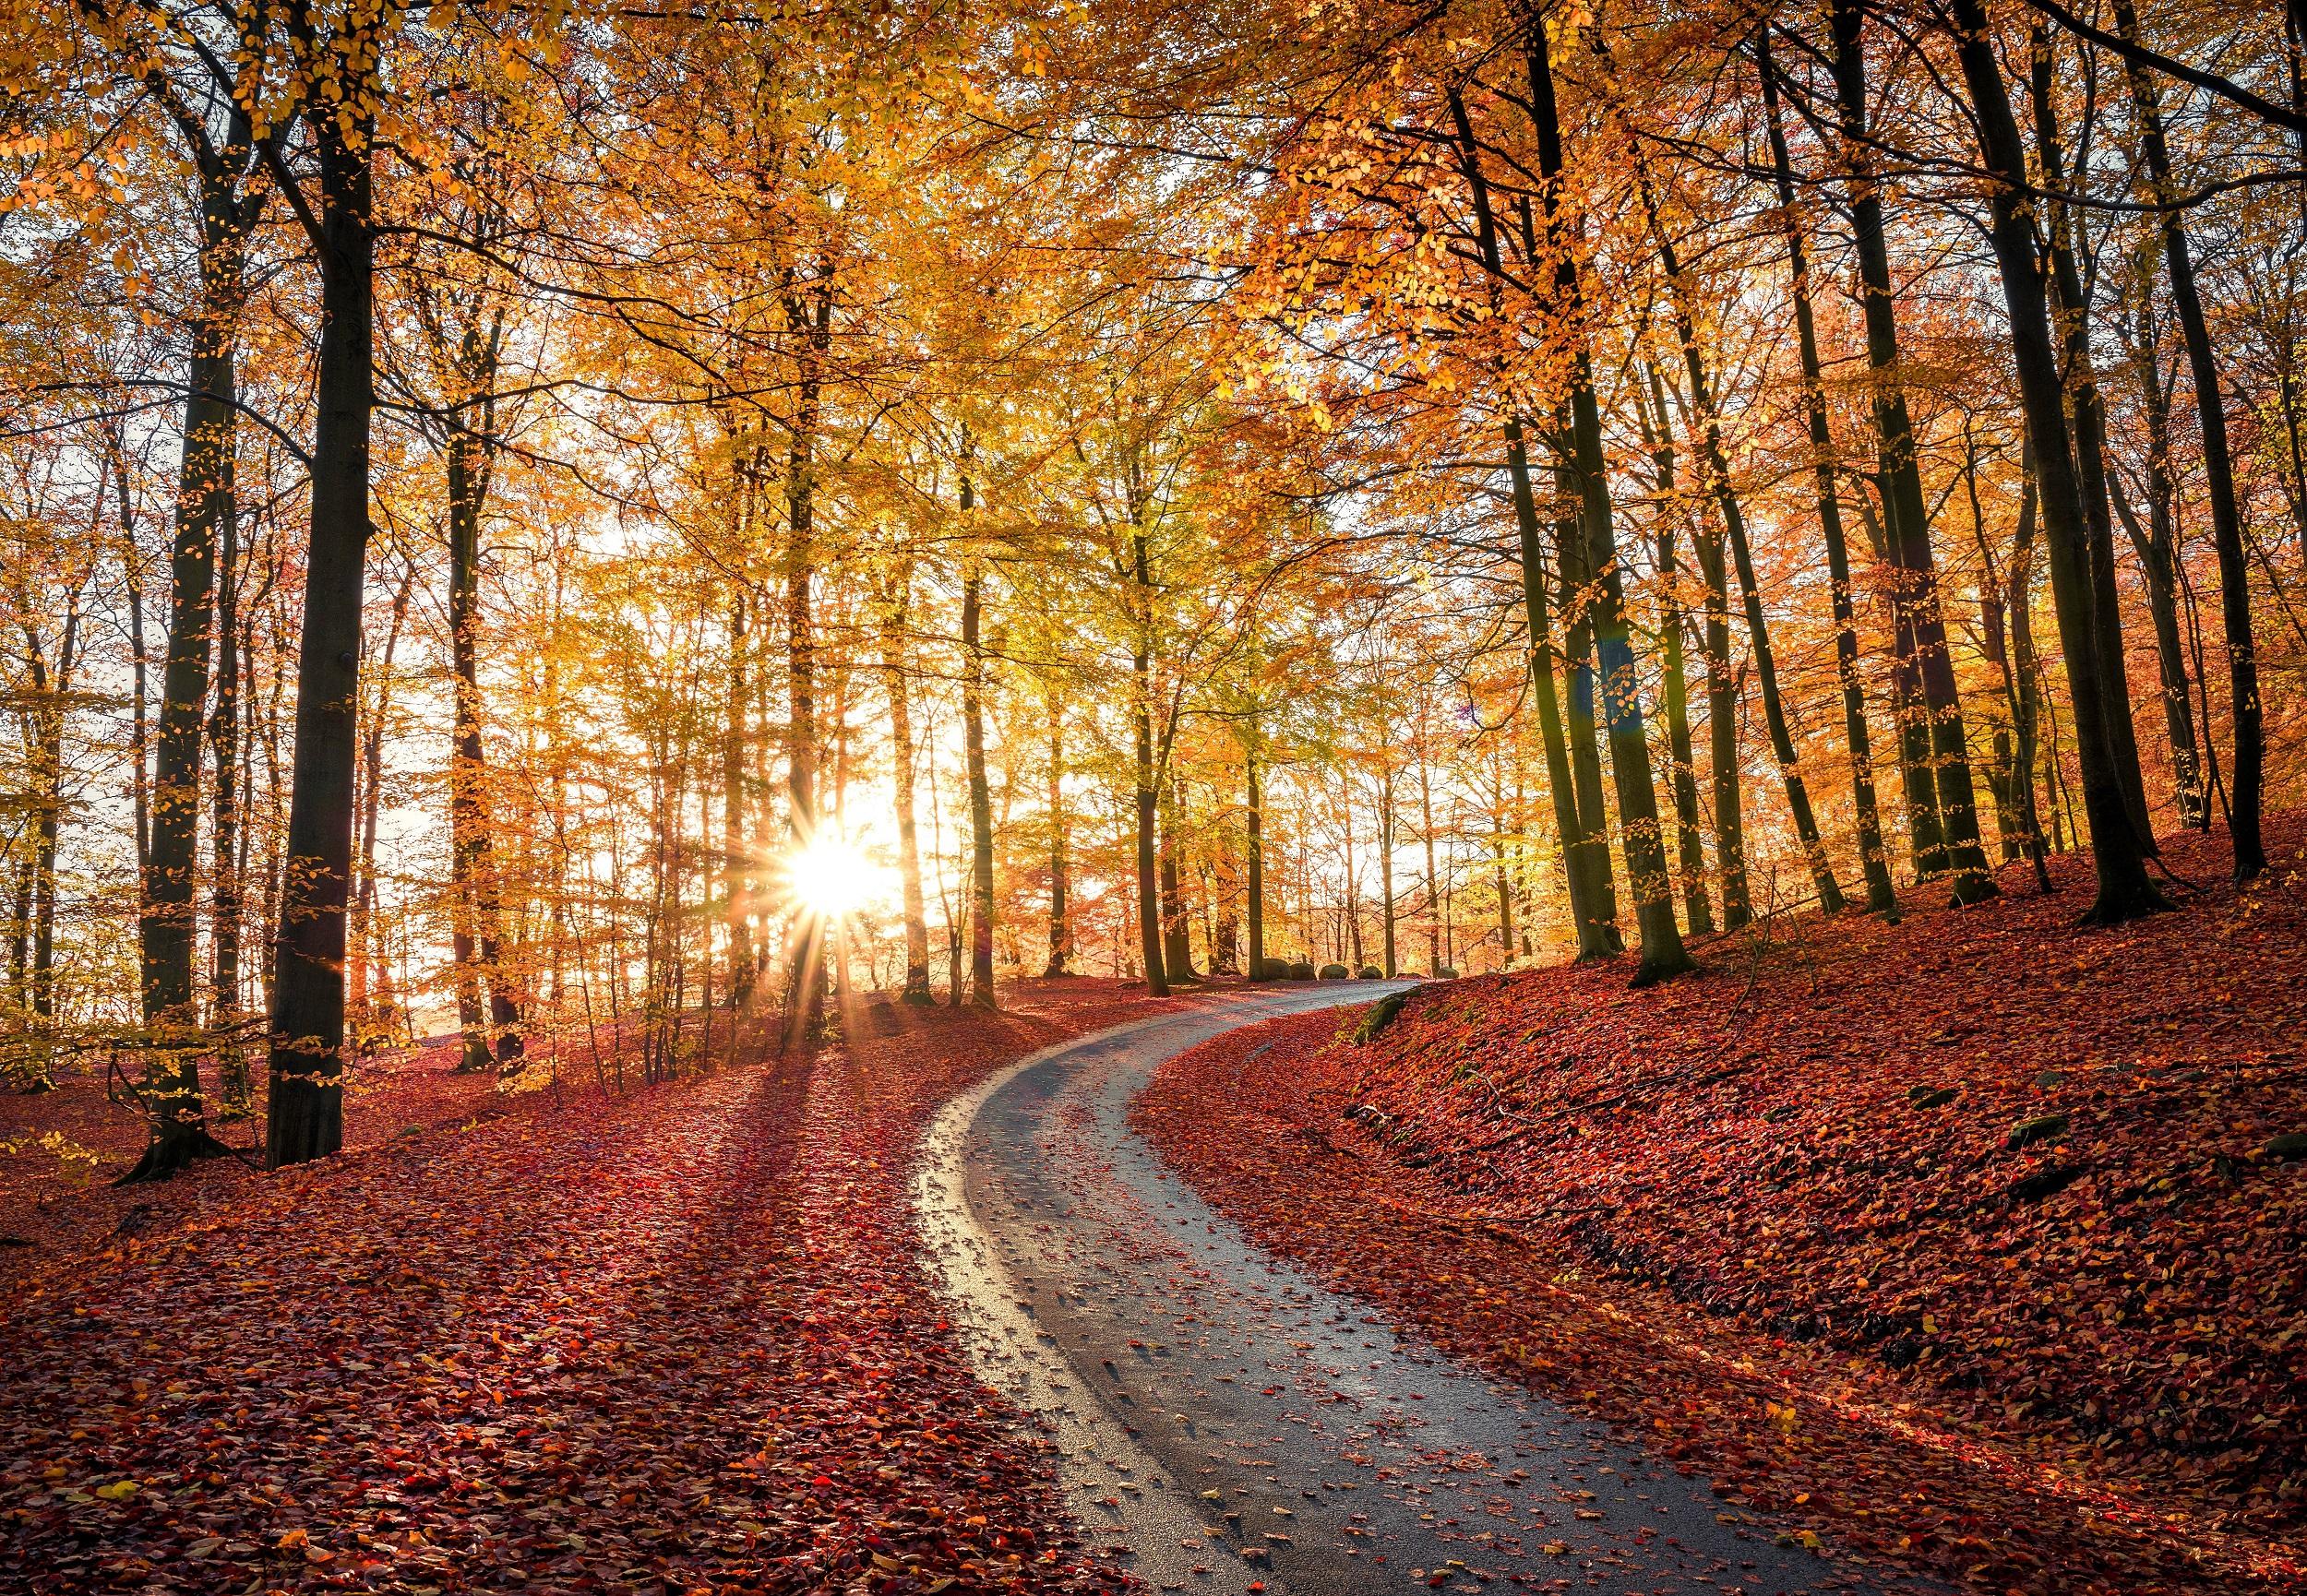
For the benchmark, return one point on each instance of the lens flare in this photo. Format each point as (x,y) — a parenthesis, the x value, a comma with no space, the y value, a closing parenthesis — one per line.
(828,877)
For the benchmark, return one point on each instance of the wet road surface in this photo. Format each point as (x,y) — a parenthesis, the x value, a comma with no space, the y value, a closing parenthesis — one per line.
(1224,1424)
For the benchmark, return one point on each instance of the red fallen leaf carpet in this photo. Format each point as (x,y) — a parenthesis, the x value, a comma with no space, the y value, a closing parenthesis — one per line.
(1969,1241)
(669,1340)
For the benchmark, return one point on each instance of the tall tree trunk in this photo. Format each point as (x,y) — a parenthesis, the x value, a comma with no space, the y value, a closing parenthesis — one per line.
(225,869)
(902,767)
(1585,861)
(1722,731)
(368,1020)
(304,1113)
(1177,934)
(2125,891)
(1718,470)
(1691,846)
(139,680)
(2157,547)
(811,319)
(1060,926)
(2246,778)
(1149,797)
(49,695)
(2025,684)
(1662,954)
(1931,745)
(206,507)
(494,1041)
(736,863)
(1254,812)
(2086,416)
(1873,858)
(1576,595)
(981,994)
(1569,752)
(47,835)
(1385,865)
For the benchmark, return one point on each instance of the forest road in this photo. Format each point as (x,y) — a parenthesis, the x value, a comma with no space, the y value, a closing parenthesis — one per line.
(1221,1422)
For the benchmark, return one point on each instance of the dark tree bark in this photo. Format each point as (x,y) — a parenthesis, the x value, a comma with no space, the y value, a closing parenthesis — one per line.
(2125,890)
(1585,856)
(1722,730)
(305,1111)
(1662,954)
(1932,750)
(224,868)
(206,512)
(2071,313)
(1575,593)
(46,704)
(2157,545)
(1874,857)
(2246,778)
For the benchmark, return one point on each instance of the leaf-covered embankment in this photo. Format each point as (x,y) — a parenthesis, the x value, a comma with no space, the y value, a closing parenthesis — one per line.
(1971,1240)
(671,1340)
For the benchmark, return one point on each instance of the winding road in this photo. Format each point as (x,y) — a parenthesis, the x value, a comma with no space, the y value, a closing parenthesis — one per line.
(1223,1422)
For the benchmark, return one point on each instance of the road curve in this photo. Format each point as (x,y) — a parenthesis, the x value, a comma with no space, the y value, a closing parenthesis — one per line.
(1224,1424)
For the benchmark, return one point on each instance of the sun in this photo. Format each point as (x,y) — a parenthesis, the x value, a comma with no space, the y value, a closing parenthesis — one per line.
(828,877)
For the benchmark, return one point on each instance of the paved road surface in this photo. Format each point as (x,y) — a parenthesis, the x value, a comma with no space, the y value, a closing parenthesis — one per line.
(1221,1419)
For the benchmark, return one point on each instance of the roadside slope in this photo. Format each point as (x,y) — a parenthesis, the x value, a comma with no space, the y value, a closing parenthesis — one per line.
(1744,1214)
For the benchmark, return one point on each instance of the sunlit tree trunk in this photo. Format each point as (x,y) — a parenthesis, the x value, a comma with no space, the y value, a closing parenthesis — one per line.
(1177,933)
(900,690)
(981,994)
(224,868)
(737,866)
(1060,928)
(366,1000)
(491,1037)
(811,321)
(1253,822)
(1385,865)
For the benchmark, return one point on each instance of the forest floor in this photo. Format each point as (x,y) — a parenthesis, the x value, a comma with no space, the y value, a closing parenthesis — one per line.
(1967,1241)
(669,1340)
